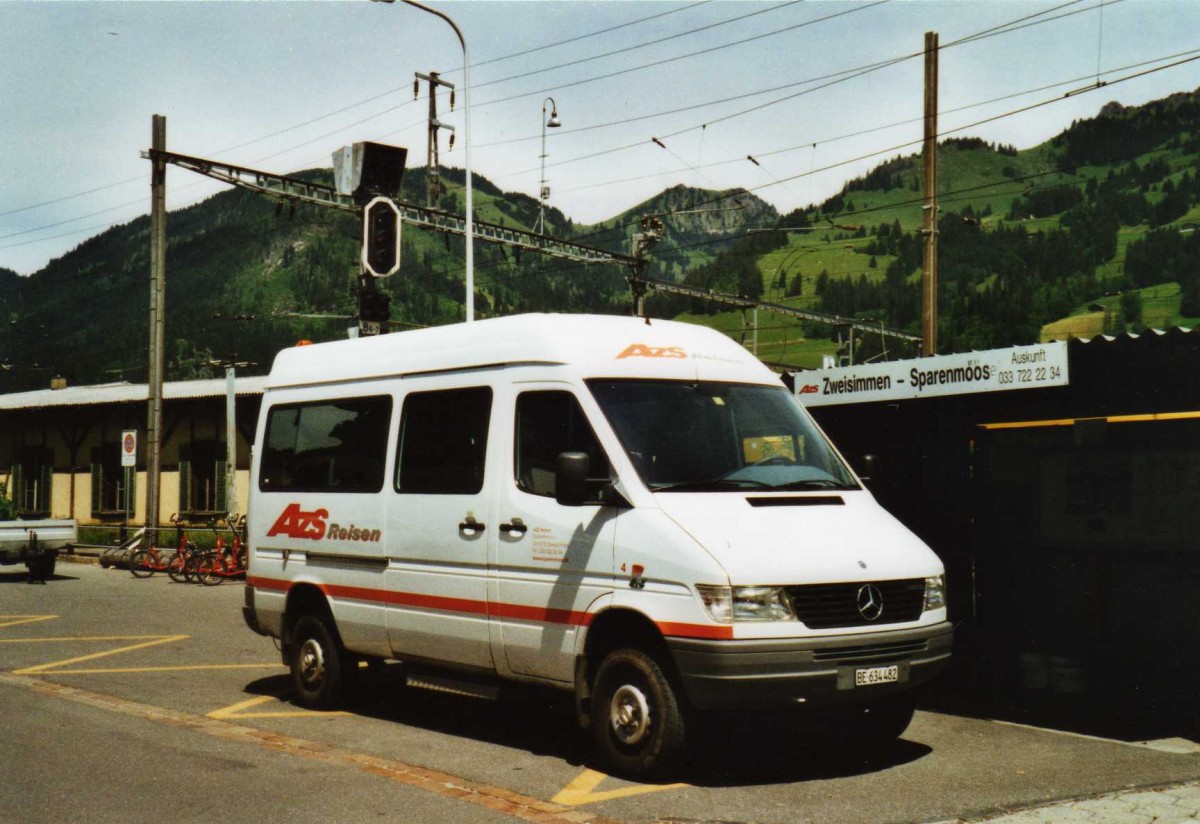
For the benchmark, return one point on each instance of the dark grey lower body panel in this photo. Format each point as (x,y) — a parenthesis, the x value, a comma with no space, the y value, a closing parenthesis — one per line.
(795,672)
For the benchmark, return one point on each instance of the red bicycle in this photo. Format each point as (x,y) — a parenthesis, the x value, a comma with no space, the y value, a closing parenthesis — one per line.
(224,561)
(145,562)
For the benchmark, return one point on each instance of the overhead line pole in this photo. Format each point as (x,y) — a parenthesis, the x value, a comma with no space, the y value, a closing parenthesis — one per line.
(432,164)
(469,228)
(929,287)
(158,275)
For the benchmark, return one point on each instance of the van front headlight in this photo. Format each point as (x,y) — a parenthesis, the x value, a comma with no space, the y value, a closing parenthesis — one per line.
(935,592)
(725,605)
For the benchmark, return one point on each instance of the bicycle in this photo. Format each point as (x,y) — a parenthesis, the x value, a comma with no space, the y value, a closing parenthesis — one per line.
(224,561)
(145,562)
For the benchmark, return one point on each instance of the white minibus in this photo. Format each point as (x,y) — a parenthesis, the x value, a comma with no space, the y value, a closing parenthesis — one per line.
(637,512)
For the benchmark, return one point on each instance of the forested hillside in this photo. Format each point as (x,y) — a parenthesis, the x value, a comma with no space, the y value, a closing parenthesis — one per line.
(1091,232)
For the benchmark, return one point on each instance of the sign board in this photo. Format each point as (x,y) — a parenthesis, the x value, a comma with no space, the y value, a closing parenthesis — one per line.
(994,370)
(129,447)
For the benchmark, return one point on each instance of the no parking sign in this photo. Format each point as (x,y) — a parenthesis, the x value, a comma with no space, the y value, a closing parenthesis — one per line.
(129,447)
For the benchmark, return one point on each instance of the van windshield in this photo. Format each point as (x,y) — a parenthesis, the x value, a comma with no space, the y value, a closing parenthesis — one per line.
(688,436)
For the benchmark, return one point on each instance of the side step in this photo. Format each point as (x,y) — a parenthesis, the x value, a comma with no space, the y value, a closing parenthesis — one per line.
(454,685)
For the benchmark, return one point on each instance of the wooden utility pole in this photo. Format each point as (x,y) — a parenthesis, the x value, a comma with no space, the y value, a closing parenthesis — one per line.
(929,288)
(158,276)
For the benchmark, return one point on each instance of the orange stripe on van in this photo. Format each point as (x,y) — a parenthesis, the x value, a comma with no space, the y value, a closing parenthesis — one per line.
(520,612)
(716,631)
(267,583)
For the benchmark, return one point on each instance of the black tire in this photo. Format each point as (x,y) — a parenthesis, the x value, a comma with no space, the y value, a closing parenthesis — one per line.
(321,669)
(208,569)
(637,717)
(177,568)
(137,565)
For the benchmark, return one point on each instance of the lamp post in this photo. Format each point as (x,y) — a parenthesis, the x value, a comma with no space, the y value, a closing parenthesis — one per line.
(544,190)
(470,227)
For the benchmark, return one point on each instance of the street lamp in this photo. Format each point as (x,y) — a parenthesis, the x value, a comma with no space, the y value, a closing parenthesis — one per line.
(544,191)
(470,227)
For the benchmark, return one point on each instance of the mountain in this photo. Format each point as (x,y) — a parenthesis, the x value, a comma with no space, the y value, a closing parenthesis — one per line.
(241,267)
(1092,231)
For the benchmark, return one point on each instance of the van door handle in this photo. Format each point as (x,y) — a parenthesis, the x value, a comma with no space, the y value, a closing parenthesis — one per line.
(517,526)
(470,525)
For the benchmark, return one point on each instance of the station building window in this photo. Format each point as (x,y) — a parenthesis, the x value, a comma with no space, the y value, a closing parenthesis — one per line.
(202,477)
(110,493)
(31,480)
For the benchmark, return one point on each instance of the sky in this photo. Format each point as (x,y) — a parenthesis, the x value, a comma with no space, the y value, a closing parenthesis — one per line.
(280,86)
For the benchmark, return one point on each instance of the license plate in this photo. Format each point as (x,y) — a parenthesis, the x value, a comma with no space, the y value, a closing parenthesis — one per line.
(876,675)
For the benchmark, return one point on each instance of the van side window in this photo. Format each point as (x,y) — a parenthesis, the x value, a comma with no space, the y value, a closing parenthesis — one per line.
(548,423)
(327,446)
(443,440)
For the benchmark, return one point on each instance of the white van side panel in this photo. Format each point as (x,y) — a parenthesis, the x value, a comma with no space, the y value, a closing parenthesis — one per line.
(438,564)
(331,539)
(553,562)
(657,567)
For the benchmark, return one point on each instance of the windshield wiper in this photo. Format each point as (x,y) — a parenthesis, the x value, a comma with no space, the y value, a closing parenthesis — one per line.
(818,483)
(708,485)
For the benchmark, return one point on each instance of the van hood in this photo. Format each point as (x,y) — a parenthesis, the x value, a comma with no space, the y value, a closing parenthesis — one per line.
(803,538)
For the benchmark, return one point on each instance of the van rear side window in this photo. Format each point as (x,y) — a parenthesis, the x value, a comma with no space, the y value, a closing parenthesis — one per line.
(443,440)
(327,446)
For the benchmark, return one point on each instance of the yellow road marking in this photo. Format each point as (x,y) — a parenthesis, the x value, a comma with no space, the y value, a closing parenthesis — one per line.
(22,619)
(42,669)
(77,638)
(63,667)
(239,710)
(582,790)
(181,668)
(460,790)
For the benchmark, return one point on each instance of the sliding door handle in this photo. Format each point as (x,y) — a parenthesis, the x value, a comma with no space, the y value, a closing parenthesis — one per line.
(517,527)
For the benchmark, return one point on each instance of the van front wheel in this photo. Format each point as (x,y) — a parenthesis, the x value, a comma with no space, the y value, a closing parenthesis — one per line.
(636,715)
(318,665)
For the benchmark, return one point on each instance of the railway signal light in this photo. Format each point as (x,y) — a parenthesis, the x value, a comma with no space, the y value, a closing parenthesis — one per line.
(381,237)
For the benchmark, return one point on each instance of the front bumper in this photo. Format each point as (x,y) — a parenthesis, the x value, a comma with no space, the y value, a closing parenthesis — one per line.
(790,672)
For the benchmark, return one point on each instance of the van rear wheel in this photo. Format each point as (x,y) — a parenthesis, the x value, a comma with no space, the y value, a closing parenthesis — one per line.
(636,715)
(321,669)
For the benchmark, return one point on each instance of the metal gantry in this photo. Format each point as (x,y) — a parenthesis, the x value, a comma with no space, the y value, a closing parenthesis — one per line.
(779,308)
(296,190)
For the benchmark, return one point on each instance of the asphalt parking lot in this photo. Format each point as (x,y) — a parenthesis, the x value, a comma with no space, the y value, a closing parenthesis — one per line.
(133,700)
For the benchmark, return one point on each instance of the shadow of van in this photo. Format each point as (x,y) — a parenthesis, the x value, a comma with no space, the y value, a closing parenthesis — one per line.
(737,750)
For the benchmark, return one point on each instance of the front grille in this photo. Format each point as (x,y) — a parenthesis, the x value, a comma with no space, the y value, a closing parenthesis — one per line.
(874,653)
(825,606)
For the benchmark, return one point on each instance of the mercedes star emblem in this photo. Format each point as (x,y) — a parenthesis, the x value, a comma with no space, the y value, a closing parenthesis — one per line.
(870,602)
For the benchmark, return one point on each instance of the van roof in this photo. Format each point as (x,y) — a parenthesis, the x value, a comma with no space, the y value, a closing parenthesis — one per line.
(587,345)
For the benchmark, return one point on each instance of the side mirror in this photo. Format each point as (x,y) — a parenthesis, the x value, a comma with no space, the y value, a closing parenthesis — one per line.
(570,478)
(870,468)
